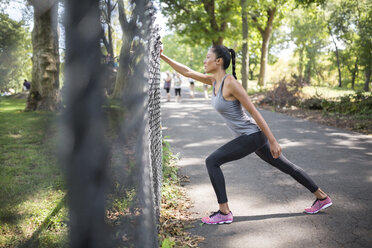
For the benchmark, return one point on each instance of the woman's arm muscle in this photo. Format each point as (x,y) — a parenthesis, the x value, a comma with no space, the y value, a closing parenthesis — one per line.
(186,71)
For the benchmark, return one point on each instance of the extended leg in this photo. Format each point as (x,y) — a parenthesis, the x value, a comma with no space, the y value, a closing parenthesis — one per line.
(283,164)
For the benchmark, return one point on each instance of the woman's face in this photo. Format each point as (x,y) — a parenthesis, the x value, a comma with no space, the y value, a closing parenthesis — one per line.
(210,62)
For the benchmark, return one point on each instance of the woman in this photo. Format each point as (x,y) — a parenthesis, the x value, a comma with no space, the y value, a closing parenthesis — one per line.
(167,85)
(177,87)
(192,87)
(252,134)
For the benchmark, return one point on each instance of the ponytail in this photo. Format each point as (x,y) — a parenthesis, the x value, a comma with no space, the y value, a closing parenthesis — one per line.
(227,55)
(233,62)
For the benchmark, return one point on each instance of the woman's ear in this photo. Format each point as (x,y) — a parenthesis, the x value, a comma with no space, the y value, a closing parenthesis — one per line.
(218,61)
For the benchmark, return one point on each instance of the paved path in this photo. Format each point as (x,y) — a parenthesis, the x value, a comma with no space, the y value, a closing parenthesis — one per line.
(266,203)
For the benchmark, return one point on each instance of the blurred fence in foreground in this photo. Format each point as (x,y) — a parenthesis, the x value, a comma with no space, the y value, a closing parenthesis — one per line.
(112,147)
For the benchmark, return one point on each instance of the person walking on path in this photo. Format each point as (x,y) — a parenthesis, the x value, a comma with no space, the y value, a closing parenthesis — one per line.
(251,134)
(192,87)
(205,89)
(177,86)
(167,85)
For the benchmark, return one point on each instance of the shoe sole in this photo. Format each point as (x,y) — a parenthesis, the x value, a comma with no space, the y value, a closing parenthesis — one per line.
(219,223)
(324,207)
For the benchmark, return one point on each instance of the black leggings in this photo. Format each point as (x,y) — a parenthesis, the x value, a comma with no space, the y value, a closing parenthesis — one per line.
(241,147)
(177,91)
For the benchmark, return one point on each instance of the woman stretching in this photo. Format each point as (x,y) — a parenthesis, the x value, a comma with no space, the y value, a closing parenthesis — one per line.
(251,134)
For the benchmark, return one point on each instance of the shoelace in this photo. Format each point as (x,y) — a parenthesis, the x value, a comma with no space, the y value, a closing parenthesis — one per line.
(318,200)
(315,202)
(214,213)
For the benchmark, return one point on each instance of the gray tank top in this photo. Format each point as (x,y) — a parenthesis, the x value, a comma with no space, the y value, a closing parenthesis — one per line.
(232,112)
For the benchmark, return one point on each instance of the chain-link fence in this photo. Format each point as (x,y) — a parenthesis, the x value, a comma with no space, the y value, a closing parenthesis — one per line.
(112,146)
(155,134)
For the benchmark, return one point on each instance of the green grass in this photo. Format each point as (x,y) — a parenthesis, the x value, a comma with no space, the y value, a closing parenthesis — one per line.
(326,92)
(32,186)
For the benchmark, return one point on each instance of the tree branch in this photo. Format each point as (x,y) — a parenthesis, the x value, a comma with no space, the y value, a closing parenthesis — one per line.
(122,16)
(209,8)
(256,24)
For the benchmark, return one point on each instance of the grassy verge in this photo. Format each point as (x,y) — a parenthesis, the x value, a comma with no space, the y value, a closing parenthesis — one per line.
(174,217)
(325,92)
(33,210)
(32,190)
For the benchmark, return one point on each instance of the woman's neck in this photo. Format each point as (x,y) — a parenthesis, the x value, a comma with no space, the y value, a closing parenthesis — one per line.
(219,76)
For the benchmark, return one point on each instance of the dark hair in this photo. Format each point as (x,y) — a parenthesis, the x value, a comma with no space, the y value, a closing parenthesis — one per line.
(226,54)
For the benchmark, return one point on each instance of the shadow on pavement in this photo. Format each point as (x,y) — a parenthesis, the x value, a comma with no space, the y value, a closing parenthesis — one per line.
(268,216)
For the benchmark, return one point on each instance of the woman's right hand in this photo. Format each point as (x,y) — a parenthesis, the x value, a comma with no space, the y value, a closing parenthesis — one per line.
(275,149)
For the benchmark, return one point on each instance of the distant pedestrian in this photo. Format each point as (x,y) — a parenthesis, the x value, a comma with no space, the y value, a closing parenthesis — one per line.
(251,134)
(167,85)
(205,89)
(26,85)
(192,87)
(177,87)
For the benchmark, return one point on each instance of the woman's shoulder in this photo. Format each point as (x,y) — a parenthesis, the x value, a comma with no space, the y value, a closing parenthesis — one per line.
(232,83)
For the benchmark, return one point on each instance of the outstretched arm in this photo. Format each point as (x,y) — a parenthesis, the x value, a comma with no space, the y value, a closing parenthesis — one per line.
(186,71)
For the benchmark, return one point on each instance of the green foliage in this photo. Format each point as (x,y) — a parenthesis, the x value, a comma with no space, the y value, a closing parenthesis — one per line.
(309,33)
(15,53)
(169,161)
(359,104)
(351,22)
(167,243)
(312,103)
(307,3)
(192,19)
(191,55)
(122,202)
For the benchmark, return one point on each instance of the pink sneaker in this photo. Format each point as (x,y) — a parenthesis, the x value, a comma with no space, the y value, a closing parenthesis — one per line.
(319,205)
(218,218)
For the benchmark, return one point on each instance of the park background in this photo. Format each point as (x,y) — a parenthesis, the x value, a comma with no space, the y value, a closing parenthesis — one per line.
(308,57)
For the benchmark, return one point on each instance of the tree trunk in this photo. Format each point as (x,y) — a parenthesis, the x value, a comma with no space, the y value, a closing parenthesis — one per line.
(44,93)
(367,79)
(338,67)
(301,66)
(124,70)
(245,60)
(219,41)
(109,28)
(337,58)
(353,73)
(266,35)
(251,72)
(209,8)
(307,76)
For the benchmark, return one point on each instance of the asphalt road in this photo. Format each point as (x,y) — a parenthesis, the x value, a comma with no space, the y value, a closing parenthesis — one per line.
(267,204)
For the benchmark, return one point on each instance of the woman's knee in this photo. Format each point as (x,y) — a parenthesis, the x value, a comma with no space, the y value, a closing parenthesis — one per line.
(211,162)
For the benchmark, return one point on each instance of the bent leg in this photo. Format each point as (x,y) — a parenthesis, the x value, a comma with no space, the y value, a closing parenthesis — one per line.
(286,166)
(233,150)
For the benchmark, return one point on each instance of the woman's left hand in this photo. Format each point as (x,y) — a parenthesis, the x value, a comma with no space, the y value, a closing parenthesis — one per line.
(161,48)
(275,149)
